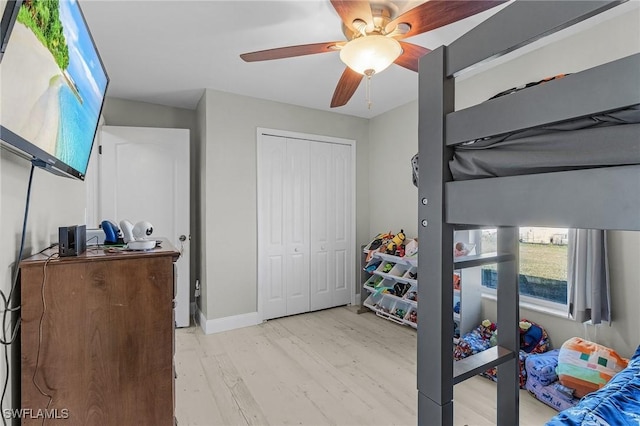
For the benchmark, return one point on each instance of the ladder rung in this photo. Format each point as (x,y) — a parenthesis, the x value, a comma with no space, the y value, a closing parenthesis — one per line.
(477,363)
(481,259)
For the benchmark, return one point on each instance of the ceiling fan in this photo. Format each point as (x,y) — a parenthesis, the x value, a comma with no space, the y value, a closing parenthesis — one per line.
(374,33)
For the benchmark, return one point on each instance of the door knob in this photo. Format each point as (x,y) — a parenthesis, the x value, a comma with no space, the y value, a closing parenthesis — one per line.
(182,238)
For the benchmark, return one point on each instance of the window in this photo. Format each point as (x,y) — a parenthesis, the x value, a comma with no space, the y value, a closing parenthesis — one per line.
(543,265)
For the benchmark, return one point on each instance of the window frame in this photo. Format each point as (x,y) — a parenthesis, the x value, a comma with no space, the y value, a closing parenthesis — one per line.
(529,302)
(532,303)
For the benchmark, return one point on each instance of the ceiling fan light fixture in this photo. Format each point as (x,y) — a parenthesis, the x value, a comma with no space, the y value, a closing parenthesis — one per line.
(373,52)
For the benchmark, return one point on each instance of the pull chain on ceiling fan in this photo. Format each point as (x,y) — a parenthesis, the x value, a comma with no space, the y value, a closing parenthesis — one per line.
(374,37)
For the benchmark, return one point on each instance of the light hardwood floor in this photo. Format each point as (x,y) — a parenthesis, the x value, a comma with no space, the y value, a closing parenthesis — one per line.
(331,367)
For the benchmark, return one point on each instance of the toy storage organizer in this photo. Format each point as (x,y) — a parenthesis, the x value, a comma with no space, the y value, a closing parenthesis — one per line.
(397,274)
(390,289)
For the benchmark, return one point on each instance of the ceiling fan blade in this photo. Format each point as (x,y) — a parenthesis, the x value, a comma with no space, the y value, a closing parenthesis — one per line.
(350,10)
(437,13)
(346,87)
(290,51)
(411,54)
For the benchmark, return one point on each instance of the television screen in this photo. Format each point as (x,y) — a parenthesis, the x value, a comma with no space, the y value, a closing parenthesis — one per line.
(53,85)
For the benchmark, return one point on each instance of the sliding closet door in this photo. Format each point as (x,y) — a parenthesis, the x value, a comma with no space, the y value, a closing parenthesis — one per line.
(330,189)
(284,223)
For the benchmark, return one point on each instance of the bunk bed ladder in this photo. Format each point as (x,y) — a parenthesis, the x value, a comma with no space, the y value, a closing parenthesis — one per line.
(437,371)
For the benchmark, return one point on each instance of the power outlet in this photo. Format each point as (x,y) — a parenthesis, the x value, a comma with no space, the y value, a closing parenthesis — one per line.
(197,292)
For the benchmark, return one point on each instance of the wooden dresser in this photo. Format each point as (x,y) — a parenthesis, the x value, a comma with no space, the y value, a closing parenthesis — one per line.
(104,347)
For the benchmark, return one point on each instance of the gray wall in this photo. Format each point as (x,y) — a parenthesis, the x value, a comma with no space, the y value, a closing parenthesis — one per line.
(55,201)
(393,140)
(199,167)
(230,195)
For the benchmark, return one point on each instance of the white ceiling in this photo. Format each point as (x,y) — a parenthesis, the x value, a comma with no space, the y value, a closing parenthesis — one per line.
(168,52)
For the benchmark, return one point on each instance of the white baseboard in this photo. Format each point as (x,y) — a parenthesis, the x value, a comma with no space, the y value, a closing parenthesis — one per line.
(219,325)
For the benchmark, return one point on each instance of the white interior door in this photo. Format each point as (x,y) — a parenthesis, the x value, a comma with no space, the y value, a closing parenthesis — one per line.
(272,244)
(144,175)
(305,225)
(342,243)
(322,205)
(331,249)
(296,221)
(284,182)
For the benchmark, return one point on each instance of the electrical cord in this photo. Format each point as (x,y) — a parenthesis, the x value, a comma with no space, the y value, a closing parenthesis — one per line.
(95,237)
(6,300)
(44,311)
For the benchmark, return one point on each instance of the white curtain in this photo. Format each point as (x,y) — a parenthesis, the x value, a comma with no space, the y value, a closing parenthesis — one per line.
(588,276)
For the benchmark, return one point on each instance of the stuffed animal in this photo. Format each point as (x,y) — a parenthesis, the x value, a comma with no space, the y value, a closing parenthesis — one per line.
(530,336)
(395,242)
(487,328)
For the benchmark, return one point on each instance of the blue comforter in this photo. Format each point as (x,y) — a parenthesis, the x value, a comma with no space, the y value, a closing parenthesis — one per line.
(616,404)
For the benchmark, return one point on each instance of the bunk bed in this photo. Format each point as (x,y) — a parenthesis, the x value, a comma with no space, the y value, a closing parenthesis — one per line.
(569,195)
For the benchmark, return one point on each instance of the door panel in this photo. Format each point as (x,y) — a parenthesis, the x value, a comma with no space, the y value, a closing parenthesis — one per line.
(341,273)
(276,278)
(322,276)
(322,224)
(342,202)
(273,271)
(296,223)
(305,213)
(144,175)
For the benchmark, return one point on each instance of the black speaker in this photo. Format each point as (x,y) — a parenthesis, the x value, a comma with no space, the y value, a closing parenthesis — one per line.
(72,240)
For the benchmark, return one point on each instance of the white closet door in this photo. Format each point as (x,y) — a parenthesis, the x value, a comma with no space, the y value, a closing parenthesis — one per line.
(342,243)
(296,222)
(330,225)
(284,216)
(305,216)
(273,241)
(323,224)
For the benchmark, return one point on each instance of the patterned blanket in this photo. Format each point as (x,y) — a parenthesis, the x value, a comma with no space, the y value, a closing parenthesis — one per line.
(617,403)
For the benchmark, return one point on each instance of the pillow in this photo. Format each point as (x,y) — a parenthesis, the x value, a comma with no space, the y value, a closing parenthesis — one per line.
(542,367)
(587,366)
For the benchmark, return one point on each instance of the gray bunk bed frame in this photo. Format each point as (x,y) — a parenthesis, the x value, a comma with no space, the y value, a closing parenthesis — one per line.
(576,198)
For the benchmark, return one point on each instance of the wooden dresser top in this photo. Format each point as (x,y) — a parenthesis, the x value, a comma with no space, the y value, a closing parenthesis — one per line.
(101,253)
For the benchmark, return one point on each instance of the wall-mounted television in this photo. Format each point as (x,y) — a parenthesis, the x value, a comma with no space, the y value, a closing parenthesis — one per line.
(53,84)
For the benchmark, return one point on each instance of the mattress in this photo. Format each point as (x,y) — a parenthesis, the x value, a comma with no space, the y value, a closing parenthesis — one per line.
(617,403)
(542,381)
(554,395)
(610,139)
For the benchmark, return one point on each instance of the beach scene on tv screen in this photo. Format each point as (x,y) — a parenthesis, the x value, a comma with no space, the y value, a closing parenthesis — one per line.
(52,81)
